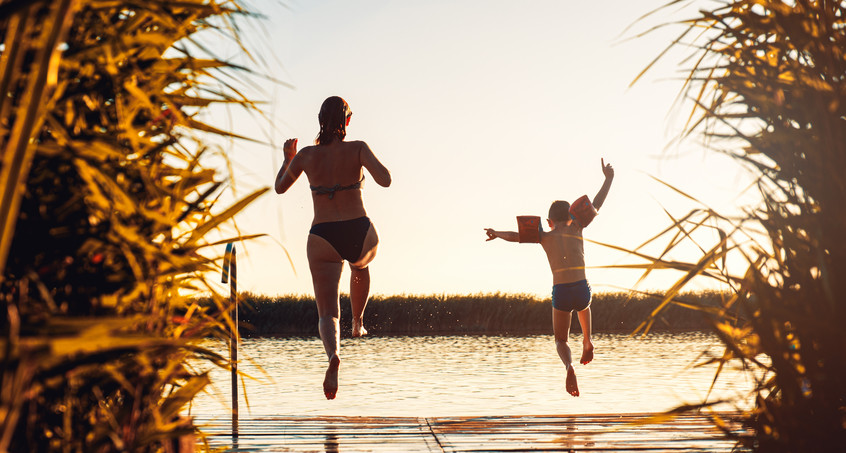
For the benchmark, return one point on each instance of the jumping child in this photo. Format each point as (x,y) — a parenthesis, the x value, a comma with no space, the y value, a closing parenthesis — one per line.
(564,247)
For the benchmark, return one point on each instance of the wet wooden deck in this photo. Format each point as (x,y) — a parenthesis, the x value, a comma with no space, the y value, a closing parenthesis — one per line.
(566,433)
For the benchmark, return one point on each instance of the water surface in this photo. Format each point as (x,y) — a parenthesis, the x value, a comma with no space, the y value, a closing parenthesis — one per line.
(430,376)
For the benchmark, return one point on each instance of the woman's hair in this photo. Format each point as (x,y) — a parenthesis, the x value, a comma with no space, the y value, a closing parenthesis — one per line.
(333,120)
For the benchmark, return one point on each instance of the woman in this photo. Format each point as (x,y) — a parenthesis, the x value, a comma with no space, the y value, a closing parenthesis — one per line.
(340,230)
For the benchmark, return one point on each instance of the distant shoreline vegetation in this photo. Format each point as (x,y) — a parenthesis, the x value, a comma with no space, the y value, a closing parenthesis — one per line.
(475,314)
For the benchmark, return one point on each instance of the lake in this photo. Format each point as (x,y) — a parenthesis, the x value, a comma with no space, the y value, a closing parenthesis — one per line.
(431,376)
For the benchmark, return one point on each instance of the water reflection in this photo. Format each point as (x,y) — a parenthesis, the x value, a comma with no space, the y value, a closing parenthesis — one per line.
(331,444)
(471,375)
(571,439)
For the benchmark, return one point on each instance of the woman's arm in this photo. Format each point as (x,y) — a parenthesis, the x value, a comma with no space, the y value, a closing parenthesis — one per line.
(378,171)
(510,236)
(608,171)
(291,168)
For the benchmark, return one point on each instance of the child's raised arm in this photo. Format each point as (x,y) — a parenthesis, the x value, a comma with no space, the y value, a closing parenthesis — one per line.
(510,236)
(608,171)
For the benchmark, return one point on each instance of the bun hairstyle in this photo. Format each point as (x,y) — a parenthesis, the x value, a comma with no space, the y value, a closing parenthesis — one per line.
(333,120)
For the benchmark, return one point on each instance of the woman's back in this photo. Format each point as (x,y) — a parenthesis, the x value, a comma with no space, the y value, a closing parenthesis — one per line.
(333,166)
(334,172)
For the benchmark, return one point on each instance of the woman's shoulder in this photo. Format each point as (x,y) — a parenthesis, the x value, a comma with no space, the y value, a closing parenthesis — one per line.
(307,152)
(356,144)
(361,147)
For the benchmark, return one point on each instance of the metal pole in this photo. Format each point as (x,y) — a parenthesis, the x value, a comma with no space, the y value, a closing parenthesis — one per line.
(230,268)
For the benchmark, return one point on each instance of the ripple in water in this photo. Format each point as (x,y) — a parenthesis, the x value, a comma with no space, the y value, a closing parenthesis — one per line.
(430,376)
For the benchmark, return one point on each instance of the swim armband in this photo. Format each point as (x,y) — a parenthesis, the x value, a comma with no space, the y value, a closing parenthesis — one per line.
(528,228)
(582,211)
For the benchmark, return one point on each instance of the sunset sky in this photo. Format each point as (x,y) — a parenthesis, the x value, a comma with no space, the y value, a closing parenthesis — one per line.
(482,111)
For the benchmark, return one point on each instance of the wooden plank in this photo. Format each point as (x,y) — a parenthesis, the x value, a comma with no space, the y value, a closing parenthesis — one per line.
(588,433)
(471,434)
(324,434)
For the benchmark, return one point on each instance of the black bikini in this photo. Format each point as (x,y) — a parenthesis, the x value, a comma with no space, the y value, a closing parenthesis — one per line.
(346,236)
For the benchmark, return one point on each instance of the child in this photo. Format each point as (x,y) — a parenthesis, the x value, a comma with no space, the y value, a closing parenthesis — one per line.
(564,247)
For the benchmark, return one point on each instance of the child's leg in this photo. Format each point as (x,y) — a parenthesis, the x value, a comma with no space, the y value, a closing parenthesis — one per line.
(587,326)
(561,328)
(359,292)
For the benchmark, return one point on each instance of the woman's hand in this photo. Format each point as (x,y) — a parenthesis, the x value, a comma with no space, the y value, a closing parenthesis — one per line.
(491,234)
(290,149)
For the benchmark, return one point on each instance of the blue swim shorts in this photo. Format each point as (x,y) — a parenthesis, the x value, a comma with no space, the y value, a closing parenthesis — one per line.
(571,296)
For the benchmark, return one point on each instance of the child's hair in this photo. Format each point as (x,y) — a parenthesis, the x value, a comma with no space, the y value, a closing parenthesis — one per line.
(559,211)
(333,120)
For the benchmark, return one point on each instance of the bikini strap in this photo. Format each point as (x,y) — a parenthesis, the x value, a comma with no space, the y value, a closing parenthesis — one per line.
(330,191)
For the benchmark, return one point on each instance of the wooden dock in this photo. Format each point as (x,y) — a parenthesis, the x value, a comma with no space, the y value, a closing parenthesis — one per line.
(565,433)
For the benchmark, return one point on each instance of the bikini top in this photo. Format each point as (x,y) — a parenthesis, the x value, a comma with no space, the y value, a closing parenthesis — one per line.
(320,190)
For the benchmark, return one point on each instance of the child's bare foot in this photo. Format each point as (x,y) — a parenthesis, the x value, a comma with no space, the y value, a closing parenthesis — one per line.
(587,353)
(572,385)
(358,329)
(330,382)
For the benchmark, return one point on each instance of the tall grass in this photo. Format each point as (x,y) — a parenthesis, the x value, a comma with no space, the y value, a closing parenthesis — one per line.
(768,84)
(495,313)
(106,205)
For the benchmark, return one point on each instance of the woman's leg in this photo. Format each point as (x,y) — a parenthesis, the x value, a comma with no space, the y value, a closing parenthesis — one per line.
(326,266)
(360,282)
(359,292)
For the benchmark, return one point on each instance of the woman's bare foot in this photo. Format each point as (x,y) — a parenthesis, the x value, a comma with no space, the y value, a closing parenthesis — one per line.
(330,382)
(572,385)
(358,329)
(587,353)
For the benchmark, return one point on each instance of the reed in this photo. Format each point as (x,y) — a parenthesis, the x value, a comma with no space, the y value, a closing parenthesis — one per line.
(105,206)
(491,313)
(768,84)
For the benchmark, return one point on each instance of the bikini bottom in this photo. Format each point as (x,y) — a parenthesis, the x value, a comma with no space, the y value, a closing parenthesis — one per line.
(573,296)
(345,236)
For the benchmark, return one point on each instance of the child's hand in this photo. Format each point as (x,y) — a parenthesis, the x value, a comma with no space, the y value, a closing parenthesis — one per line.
(491,234)
(607,170)
(290,149)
